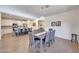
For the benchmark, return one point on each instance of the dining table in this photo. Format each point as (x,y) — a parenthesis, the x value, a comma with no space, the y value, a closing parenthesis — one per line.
(41,36)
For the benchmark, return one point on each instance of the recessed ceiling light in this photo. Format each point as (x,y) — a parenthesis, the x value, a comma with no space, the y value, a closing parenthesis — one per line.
(47,6)
(42,7)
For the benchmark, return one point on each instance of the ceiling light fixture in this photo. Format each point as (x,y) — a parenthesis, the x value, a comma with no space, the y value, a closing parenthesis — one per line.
(43,7)
(47,6)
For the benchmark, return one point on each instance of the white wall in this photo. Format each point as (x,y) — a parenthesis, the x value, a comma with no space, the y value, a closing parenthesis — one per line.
(69,23)
(0,26)
(78,27)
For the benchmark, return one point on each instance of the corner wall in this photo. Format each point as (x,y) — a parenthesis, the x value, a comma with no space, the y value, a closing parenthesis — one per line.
(69,23)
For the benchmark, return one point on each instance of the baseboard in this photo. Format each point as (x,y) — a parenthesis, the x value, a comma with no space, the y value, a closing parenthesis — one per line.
(62,38)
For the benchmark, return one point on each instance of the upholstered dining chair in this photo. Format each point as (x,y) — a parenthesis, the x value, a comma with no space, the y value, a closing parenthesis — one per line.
(31,39)
(46,41)
(50,33)
(52,36)
(17,31)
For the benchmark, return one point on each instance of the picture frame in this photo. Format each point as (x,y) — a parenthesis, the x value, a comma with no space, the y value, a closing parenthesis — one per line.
(56,23)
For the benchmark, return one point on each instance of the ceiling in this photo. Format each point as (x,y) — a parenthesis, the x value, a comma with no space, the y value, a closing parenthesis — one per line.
(39,10)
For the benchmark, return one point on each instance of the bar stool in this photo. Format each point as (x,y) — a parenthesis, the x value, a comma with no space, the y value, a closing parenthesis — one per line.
(74,37)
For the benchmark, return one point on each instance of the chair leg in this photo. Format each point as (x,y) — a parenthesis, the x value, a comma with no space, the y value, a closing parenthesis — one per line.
(36,44)
(71,40)
(76,39)
(48,44)
(51,42)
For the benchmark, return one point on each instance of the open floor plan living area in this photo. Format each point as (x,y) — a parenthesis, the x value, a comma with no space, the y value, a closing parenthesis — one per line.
(39,28)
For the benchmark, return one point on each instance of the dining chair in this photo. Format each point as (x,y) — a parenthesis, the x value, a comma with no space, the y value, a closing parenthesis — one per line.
(33,41)
(52,38)
(47,41)
(23,30)
(29,29)
(17,31)
(50,33)
(31,38)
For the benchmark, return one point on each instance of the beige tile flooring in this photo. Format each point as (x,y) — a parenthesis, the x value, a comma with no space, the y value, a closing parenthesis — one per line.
(20,44)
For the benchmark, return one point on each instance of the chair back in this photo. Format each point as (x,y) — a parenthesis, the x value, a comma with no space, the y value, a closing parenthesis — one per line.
(31,38)
(47,37)
(53,35)
(50,33)
(23,30)
(17,30)
(29,29)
